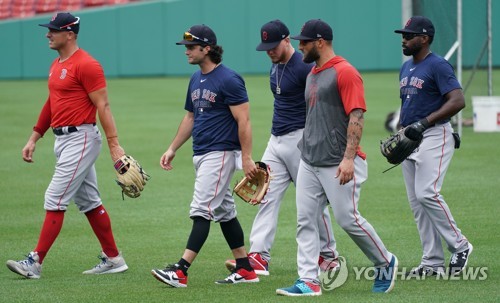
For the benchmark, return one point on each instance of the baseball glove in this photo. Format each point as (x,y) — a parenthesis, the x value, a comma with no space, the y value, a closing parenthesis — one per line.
(253,190)
(130,176)
(398,147)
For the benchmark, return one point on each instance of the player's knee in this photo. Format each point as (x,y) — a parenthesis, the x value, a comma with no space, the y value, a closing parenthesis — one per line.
(348,225)
(426,197)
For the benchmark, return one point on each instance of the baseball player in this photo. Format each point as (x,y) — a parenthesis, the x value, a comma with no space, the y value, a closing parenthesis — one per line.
(217,119)
(77,90)
(332,162)
(287,80)
(430,95)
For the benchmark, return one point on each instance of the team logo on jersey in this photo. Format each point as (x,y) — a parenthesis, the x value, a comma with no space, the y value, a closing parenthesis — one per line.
(202,99)
(204,94)
(413,81)
(64,72)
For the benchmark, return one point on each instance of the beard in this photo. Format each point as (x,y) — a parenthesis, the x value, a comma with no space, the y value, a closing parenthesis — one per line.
(311,56)
(411,51)
(280,59)
(408,52)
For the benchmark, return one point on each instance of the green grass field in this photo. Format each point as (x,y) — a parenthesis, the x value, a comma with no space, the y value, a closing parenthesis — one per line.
(153,229)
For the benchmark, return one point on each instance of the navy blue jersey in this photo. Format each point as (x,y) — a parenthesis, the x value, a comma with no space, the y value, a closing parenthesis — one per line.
(290,105)
(423,86)
(208,98)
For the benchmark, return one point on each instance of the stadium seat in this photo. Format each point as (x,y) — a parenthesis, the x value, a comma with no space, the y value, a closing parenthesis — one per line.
(87,3)
(29,8)
(114,2)
(46,6)
(70,5)
(5,9)
(23,8)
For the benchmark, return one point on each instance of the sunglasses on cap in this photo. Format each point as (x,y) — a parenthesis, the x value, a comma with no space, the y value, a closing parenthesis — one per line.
(190,37)
(72,23)
(408,37)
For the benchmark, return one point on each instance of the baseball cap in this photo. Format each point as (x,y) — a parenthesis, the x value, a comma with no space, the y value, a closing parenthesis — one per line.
(271,35)
(64,22)
(198,34)
(417,25)
(315,29)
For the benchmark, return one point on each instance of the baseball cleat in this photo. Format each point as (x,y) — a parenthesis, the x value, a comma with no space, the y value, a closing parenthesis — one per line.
(386,276)
(29,268)
(459,260)
(108,265)
(240,276)
(259,265)
(300,288)
(428,271)
(328,264)
(171,275)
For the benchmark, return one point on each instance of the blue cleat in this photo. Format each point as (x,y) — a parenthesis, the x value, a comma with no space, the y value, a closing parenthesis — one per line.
(300,288)
(386,276)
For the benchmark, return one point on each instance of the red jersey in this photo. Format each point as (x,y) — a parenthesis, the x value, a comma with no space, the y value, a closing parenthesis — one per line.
(70,83)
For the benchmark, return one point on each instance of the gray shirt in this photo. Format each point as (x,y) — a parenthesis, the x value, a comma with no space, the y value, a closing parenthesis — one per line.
(325,134)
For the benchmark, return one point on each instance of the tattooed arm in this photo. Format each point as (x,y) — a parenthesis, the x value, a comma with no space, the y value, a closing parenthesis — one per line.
(345,172)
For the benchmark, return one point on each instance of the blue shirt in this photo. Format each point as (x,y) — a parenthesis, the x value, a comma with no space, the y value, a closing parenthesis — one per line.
(208,98)
(289,106)
(423,86)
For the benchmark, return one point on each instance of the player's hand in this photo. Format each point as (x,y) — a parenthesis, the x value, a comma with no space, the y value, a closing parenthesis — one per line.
(249,167)
(416,130)
(166,159)
(28,151)
(345,172)
(116,152)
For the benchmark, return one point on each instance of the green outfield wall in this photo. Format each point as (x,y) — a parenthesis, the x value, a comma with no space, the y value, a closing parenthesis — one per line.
(138,39)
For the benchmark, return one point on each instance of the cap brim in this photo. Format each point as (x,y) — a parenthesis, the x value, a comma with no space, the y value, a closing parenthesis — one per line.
(185,42)
(300,37)
(50,26)
(405,31)
(267,46)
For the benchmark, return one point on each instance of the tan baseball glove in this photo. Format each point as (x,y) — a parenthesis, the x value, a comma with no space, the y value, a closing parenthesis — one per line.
(253,190)
(130,176)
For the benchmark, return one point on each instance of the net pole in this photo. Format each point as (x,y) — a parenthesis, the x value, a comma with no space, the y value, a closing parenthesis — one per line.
(406,13)
(490,53)
(459,58)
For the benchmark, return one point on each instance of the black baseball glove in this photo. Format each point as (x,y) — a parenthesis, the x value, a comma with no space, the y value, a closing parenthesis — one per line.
(398,147)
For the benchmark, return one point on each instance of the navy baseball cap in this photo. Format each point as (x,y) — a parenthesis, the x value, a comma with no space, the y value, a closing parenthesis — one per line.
(417,25)
(271,35)
(198,34)
(315,29)
(64,22)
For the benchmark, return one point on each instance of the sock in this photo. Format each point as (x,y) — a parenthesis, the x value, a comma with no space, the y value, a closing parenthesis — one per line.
(183,265)
(50,230)
(101,225)
(243,263)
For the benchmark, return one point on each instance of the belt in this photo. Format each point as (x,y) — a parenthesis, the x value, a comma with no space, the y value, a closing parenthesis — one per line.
(64,130)
(59,131)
